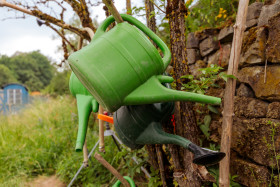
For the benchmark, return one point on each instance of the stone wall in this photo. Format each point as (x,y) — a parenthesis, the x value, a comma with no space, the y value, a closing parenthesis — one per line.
(257,100)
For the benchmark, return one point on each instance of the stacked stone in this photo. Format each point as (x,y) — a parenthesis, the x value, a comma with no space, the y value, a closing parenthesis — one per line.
(257,100)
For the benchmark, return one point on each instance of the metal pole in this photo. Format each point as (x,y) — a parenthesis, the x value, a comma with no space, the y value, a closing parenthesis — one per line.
(82,166)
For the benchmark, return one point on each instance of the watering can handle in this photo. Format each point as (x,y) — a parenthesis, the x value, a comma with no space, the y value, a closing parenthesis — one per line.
(166,52)
(129,180)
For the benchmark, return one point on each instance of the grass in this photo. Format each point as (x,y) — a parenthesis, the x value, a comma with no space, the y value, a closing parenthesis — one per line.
(40,140)
(32,142)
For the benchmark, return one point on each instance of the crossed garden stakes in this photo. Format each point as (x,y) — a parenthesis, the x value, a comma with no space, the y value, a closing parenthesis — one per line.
(123,72)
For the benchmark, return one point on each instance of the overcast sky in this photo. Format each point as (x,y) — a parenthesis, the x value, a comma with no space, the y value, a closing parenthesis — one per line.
(25,35)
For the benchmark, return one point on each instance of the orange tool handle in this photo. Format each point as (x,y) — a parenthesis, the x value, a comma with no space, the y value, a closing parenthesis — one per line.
(105,118)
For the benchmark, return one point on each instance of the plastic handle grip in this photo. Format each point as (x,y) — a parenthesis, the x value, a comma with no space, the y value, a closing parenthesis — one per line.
(166,52)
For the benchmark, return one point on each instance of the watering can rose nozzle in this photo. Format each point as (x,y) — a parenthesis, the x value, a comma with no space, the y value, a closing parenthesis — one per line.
(203,156)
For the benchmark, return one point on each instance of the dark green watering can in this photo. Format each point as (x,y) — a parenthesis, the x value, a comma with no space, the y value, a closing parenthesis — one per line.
(122,67)
(141,124)
(85,103)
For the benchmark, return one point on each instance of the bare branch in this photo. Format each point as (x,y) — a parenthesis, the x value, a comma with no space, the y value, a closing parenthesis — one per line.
(157,6)
(111,7)
(59,23)
(4,3)
(47,18)
(61,35)
(81,10)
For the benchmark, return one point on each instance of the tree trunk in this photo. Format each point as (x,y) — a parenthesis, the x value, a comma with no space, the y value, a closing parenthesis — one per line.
(151,23)
(185,172)
(156,155)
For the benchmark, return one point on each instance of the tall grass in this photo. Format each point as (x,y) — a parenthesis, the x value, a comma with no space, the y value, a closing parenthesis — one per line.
(32,141)
(40,140)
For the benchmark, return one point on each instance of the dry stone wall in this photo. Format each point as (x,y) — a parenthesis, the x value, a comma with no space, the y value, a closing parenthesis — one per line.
(257,100)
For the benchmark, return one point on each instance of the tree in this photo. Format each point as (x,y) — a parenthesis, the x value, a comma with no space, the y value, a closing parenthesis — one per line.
(31,69)
(7,75)
(184,114)
(59,84)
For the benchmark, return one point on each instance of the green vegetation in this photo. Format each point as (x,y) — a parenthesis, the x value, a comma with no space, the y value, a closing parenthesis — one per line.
(6,75)
(31,69)
(270,143)
(41,141)
(59,84)
(210,14)
(205,79)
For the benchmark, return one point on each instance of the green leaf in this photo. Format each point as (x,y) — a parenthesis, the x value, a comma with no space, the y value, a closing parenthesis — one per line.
(187,77)
(205,130)
(213,109)
(207,120)
(225,76)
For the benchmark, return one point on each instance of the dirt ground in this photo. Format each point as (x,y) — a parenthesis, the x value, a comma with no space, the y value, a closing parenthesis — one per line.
(44,181)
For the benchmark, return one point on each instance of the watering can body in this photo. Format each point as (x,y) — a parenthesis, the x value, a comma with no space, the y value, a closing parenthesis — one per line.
(131,121)
(138,125)
(116,62)
(122,67)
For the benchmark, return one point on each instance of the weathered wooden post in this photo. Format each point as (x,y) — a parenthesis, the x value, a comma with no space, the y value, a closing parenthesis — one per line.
(228,112)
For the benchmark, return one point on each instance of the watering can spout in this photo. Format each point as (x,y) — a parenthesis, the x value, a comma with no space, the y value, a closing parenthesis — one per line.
(152,91)
(84,104)
(154,134)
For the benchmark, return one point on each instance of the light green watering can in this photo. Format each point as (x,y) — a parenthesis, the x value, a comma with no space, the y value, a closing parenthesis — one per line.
(85,103)
(122,67)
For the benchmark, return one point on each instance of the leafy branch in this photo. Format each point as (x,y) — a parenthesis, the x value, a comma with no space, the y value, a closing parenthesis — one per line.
(205,80)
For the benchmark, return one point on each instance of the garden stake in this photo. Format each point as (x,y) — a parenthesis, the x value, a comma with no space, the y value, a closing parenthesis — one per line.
(85,150)
(111,7)
(101,132)
(85,154)
(228,112)
(100,159)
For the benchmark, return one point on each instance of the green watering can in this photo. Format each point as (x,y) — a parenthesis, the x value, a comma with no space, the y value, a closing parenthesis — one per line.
(85,103)
(129,180)
(138,125)
(122,67)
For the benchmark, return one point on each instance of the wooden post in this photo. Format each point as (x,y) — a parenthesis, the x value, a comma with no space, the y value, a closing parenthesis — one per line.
(101,132)
(100,159)
(80,45)
(228,112)
(128,7)
(110,5)
(85,154)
